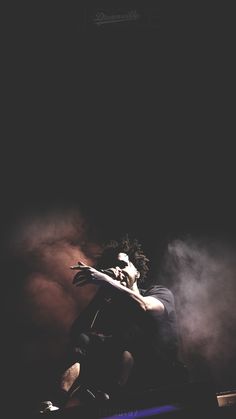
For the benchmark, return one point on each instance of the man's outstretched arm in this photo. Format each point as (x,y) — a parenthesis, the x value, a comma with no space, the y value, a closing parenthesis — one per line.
(88,274)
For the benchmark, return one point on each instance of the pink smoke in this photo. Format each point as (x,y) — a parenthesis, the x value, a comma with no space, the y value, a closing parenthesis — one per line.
(48,303)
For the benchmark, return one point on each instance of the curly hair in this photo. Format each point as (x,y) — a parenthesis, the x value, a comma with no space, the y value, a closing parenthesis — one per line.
(126,245)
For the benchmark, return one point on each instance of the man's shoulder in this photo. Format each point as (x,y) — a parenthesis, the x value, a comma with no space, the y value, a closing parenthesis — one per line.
(155,289)
(163,294)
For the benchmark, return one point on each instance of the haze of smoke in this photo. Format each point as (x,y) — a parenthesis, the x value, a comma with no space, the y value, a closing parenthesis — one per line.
(47,302)
(202,274)
(53,241)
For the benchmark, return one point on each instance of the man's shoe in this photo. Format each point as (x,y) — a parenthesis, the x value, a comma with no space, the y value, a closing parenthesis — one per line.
(47,406)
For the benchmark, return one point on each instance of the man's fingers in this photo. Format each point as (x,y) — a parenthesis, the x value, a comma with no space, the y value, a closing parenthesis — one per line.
(78,266)
(85,274)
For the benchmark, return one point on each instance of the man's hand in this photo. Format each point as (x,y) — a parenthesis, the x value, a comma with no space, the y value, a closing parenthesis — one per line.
(88,275)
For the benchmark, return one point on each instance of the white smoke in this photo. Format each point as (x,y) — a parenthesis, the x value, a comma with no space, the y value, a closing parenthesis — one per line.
(202,274)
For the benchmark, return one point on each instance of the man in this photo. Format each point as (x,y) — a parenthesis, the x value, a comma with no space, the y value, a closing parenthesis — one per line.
(126,338)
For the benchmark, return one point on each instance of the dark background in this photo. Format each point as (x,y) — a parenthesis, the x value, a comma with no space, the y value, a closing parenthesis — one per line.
(129,124)
(141,111)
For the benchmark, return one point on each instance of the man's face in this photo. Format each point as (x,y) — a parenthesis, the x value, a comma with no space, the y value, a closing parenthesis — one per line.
(125,271)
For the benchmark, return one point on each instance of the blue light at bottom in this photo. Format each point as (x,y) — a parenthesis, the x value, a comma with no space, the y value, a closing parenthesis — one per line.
(144,412)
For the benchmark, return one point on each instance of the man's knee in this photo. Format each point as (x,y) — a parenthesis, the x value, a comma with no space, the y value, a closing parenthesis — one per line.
(127,359)
(127,362)
(69,376)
